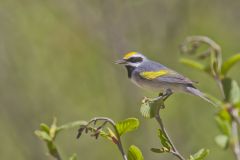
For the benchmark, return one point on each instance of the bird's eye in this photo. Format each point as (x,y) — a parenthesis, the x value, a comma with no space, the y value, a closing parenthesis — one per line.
(135,59)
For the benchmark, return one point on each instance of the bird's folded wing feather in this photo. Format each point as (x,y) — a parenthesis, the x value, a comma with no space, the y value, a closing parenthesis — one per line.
(165,75)
(150,75)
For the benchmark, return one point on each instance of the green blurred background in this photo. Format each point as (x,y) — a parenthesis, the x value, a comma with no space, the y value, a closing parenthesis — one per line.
(56,59)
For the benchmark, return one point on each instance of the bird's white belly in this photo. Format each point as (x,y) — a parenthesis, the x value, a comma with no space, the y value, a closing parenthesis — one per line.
(158,86)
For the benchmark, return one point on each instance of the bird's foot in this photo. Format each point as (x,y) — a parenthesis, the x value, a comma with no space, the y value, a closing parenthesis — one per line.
(161,97)
(165,95)
(160,94)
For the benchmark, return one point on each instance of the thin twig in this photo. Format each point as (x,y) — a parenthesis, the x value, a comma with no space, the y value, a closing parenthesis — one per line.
(234,114)
(189,46)
(113,124)
(57,156)
(236,148)
(236,119)
(214,48)
(236,145)
(173,150)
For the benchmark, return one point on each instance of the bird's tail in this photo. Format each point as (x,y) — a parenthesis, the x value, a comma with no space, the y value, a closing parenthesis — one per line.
(196,92)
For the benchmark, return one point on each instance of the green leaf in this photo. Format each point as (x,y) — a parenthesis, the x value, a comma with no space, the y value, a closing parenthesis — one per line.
(235,93)
(200,155)
(222,141)
(192,64)
(73,157)
(163,139)
(228,64)
(223,125)
(155,105)
(216,62)
(134,153)
(160,150)
(43,135)
(53,149)
(44,128)
(53,128)
(112,137)
(127,125)
(237,105)
(224,114)
(150,107)
(71,125)
(110,132)
(231,90)
(146,110)
(104,134)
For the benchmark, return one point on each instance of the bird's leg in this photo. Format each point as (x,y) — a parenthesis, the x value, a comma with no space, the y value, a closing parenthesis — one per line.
(167,94)
(163,96)
(160,94)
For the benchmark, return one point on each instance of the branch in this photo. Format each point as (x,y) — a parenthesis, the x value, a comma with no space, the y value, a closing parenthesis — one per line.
(96,133)
(214,52)
(235,123)
(174,150)
(236,148)
(218,72)
(49,134)
(155,105)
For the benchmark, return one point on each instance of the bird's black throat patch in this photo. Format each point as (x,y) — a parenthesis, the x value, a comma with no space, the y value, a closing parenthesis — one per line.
(130,70)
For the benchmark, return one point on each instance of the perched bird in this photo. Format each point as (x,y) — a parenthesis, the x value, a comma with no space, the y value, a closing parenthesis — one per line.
(154,76)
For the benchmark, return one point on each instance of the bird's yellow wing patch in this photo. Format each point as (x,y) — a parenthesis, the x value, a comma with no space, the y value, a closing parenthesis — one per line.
(153,74)
(127,55)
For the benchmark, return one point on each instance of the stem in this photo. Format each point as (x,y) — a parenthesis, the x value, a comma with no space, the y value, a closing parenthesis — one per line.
(235,123)
(113,124)
(174,149)
(236,145)
(236,119)
(58,157)
(220,85)
(53,151)
(214,52)
(216,65)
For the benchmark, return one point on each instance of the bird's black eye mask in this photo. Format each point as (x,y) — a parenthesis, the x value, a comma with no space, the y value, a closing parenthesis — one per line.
(135,59)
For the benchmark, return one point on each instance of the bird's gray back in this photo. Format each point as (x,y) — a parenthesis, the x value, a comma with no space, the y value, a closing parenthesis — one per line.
(149,65)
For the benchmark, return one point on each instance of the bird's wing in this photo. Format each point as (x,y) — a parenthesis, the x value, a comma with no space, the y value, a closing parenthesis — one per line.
(165,75)
(156,72)
(151,75)
(174,77)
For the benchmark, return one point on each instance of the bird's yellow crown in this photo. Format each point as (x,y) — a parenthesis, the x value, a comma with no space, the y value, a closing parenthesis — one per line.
(129,54)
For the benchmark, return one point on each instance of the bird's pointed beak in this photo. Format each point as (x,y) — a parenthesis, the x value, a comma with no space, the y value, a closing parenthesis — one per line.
(121,61)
